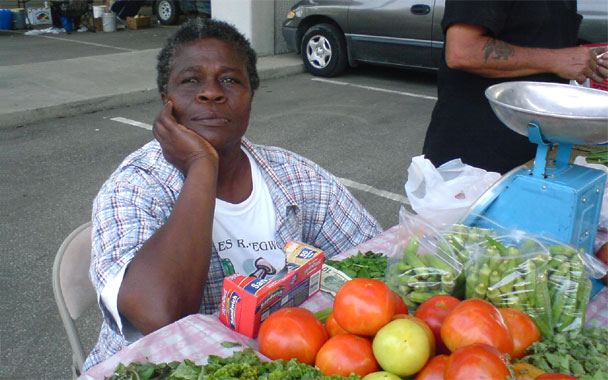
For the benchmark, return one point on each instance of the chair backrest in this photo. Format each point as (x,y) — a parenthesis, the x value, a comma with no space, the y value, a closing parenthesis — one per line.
(74,292)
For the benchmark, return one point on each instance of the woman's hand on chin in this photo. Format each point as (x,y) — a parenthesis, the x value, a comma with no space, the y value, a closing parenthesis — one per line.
(181,146)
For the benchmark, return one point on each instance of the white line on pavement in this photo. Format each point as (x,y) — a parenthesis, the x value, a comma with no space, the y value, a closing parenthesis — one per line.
(375,88)
(373,190)
(132,122)
(83,42)
(346,182)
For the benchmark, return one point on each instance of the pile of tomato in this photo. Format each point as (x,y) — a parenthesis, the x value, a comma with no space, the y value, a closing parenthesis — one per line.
(371,334)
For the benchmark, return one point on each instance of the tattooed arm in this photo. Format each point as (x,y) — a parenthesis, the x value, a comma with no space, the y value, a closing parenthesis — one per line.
(471,48)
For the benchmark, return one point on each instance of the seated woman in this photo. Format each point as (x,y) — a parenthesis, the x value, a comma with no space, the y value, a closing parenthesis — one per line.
(200,194)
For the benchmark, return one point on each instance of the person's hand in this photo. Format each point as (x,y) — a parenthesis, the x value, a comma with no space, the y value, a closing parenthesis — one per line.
(578,63)
(602,63)
(181,146)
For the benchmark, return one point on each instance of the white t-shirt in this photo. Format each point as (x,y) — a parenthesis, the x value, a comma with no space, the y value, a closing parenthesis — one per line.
(243,233)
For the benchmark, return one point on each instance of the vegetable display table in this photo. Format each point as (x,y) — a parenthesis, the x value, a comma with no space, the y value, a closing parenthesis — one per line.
(197,336)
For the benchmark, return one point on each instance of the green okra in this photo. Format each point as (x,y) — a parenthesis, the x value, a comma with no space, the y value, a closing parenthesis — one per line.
(420,296)
(568,313)
(521,290)
(480,291)
(495,297)
(470,283)
(564,250)
(403,290)
(493,243)
(448,283)
(410,305)
(417,282)
(508,282)
(493,257)
(484,275)
(584,298)
(559,299)
(542,300)
(512,301)
(531,277)
(529,246)
(402,267)
(438,263)
(494,278)
(410,256)
(404,278)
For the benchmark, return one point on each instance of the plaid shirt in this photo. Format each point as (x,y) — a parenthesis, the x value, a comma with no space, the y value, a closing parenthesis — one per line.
(311,206)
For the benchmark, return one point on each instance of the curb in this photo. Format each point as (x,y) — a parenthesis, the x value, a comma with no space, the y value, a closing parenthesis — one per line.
(19,118)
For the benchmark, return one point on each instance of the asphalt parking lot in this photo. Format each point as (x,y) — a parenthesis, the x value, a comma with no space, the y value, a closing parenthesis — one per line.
(363,126)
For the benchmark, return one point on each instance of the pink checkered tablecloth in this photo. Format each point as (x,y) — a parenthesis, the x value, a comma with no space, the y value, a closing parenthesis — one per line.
(198,336)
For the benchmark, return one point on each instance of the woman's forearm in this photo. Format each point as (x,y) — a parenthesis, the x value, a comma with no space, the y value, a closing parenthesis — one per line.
(165,280)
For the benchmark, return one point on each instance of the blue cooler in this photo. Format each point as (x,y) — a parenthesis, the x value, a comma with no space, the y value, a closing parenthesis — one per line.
(5,19)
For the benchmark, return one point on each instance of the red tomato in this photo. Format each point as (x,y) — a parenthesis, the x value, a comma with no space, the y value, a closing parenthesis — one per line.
(434,369)
(424,326)
(476,321)
(363,306)
(332,326)
(476,361)
(400,306)
(292,332)
(346,353)
(523,329)
(433,312)
(555,376)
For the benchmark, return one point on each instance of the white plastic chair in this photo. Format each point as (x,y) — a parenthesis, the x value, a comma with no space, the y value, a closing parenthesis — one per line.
(74,292)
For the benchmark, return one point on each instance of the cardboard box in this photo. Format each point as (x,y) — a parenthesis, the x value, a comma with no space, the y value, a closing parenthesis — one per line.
(39,16)
(247,301)
(98,25)
(138,22)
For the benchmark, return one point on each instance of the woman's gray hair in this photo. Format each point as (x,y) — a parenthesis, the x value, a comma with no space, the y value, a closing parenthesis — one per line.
(198,29)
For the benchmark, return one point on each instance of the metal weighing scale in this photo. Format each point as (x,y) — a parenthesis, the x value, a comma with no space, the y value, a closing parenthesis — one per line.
(551,198)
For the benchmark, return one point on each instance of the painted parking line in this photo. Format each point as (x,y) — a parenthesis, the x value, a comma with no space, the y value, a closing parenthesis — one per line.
(132,122)
(347,182)
(83,42)
(372,190)
(379,89)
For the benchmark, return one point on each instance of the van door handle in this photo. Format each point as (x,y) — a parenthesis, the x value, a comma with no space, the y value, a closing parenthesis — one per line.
(420,9)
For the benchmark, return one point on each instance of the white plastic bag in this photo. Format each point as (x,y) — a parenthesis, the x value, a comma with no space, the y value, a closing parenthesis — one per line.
(442,195)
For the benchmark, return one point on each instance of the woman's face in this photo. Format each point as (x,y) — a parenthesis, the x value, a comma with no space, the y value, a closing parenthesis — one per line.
(210,90)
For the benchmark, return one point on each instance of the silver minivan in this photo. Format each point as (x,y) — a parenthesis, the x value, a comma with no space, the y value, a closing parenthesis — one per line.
(331,34)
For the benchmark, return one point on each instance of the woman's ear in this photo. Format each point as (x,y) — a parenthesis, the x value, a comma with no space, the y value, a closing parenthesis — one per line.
(164,98)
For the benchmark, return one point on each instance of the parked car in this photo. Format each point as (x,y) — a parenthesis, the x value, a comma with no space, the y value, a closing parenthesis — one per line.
(168,11)
(330,34)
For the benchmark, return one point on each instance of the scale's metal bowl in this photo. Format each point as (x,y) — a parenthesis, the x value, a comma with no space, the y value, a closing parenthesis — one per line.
(565,113)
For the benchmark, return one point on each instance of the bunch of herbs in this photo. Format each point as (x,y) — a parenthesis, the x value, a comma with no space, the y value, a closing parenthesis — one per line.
(362,265)
(583,354)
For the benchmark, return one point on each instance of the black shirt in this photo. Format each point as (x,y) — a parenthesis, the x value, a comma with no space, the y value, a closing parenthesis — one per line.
(463,125)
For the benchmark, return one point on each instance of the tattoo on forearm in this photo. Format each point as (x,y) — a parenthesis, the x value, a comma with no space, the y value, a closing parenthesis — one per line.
(499,49)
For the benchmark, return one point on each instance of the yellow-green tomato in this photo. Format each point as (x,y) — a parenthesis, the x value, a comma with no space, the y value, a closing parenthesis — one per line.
(381,375)
(402,347)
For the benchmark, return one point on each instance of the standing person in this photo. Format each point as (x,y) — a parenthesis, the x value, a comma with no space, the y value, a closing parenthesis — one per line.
(489,42)
(200,194)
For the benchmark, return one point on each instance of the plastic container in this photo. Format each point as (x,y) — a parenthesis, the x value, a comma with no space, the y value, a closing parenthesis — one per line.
(5,19)
(98,11)
(108,21)
(66,24)
(18,18)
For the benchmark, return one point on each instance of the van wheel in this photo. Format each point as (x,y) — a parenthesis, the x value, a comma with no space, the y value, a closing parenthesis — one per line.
(324,50)
(167,12)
